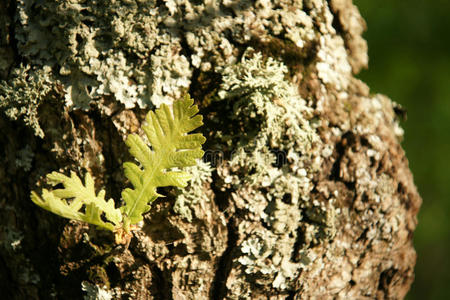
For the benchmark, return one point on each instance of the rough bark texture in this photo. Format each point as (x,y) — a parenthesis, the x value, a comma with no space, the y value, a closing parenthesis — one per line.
(305,193)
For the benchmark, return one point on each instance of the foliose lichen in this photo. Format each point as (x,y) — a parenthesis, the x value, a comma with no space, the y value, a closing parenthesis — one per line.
(142,52)
(333,66)
(279,157)
(104,48)
(21,95)
(260,94)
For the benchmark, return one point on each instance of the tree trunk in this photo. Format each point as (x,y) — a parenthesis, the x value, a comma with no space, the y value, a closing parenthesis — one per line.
(304,191)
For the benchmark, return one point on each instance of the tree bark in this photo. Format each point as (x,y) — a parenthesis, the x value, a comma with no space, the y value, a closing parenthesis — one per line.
(305,191)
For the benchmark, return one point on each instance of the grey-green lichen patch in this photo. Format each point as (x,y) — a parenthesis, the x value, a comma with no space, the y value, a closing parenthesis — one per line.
(135,53)
(380,110)
(171,73)
(259,249)
(353,25)
(260,93)
(194,193)
(115,77)
(377,228)
(268,252)
(142,52)
(213,27)
(280,158)
(364,194)
(21,95)
(103,48)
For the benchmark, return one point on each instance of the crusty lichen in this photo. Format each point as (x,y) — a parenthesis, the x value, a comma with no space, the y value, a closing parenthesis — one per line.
(333,66)
(99,49)
(142,53)
(267,253)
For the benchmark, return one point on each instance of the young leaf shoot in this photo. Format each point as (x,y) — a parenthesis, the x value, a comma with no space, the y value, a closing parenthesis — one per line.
(172,148)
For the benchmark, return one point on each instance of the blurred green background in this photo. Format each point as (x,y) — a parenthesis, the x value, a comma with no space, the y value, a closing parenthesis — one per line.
(409,60)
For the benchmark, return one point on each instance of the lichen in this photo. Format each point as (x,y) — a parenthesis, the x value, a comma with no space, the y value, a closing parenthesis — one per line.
(21,95)
(333,66)
(194,192)
(268,254)
(170,74)
(135,52)
(95,292)
(121,49)
(97,47)
(279,157)
(115,77)
(260,94)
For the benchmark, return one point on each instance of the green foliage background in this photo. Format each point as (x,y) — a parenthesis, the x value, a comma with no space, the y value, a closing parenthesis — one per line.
(409,52)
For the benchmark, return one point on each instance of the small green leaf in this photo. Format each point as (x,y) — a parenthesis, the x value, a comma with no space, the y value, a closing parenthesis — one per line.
(171,147)
(69,201)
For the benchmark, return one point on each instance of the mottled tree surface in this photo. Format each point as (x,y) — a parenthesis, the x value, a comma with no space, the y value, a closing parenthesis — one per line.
(305,191)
